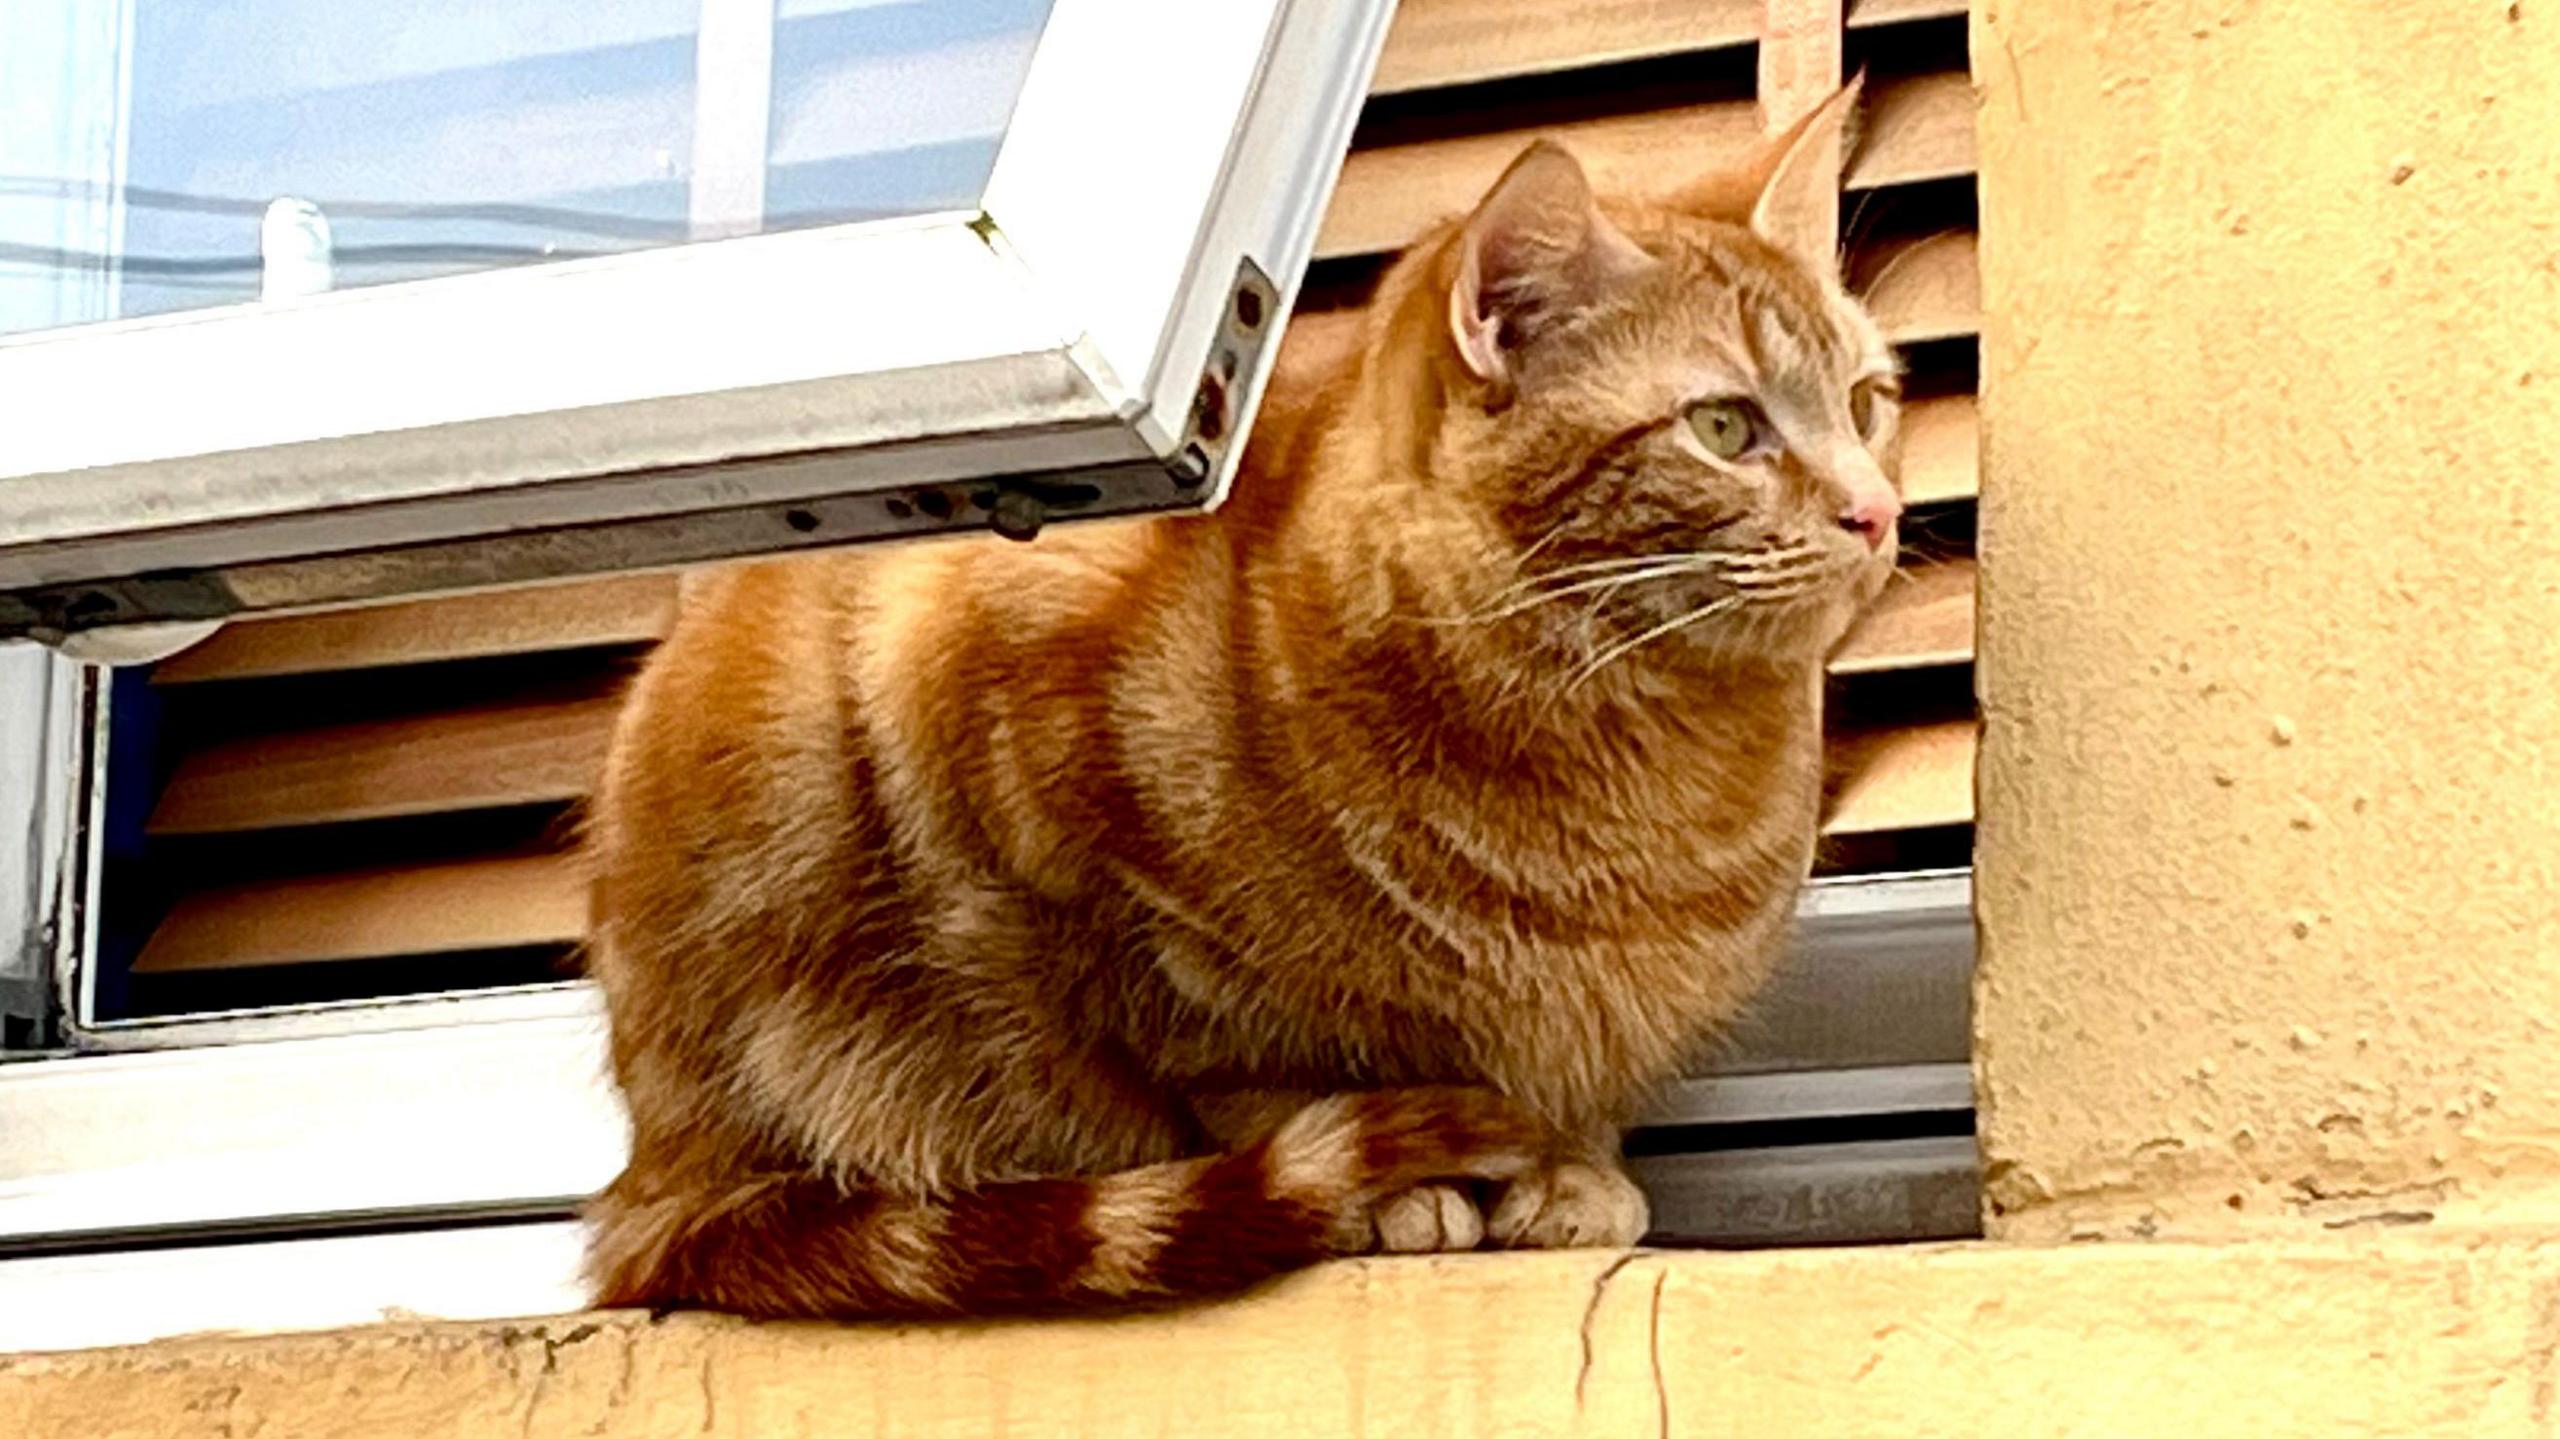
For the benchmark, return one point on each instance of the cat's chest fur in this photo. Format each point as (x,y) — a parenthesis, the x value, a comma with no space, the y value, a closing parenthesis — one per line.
(1563,940)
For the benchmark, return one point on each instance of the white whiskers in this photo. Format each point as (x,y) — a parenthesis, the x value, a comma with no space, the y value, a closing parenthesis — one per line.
(1594,575)
(1629,646)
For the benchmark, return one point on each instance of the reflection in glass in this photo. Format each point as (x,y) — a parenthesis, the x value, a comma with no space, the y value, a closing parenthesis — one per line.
(160,155)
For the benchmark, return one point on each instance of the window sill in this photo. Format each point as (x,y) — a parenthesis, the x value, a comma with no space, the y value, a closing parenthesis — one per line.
(2411,1334)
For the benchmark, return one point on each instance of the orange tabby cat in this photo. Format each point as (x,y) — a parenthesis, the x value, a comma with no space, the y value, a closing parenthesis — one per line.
(1150,910)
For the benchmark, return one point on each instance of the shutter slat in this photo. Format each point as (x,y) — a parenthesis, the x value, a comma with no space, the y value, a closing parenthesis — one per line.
(1924,617)
(501,903)
(1916,129)
(624,610)
(481,758)
(1456,42)
(1865,14)
(1926,289)
(1911,778)
(1941,450)
(1390,194)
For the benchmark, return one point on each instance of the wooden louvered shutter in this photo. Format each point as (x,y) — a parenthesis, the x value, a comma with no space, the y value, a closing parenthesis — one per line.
(378,802)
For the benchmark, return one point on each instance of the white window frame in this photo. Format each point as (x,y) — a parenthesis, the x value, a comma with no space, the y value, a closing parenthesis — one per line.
(1165,157)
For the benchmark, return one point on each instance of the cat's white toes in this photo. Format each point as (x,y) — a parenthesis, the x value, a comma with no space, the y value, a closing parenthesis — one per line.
(1570,1206)
(1433,1219)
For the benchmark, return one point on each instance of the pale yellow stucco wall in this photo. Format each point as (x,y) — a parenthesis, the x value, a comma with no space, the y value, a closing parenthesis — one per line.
(2270,840)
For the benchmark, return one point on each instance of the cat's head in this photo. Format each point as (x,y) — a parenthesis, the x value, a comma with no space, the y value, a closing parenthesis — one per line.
(1670,407)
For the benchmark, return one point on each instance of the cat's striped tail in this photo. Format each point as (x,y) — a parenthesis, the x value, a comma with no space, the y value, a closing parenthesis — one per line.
(802,1247)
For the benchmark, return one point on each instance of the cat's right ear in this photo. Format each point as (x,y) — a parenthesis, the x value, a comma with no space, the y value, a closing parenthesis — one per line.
(1536,248)
(1786,191)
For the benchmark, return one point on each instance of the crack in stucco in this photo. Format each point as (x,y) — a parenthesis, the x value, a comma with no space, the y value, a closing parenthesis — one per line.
(1591,1314)
(2348,1206)
(511,1339)
(1653,1341)
(2386,1218)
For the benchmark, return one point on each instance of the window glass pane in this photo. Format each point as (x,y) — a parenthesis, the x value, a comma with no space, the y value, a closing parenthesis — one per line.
(891,106)
(160,155)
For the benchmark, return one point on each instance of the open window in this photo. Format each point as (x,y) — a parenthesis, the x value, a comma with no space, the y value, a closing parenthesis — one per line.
(304,918)
(334,303)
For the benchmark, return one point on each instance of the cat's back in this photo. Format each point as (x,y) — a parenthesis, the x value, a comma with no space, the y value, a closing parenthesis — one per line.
(811,605)
(772,665)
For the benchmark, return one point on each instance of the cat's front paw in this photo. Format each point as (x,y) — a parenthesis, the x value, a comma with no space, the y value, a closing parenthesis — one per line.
(1570,1206)
(1434,1219)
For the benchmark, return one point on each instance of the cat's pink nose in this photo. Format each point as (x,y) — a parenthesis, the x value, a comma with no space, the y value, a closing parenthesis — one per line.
(1870,514)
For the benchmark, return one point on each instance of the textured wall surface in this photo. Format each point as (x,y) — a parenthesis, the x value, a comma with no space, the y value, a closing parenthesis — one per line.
(2404,1337)
(2270,839)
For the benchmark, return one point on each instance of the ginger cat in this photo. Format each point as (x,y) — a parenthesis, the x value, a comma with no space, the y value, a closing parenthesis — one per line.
(1148,911)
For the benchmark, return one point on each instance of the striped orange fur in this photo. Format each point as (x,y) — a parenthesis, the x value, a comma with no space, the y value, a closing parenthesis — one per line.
(1150,910)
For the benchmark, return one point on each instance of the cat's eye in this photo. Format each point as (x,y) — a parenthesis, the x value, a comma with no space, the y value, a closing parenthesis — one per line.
(1867,400)
(1729,429)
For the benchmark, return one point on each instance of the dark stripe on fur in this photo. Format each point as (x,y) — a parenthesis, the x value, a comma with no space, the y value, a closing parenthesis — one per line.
(1235,1233)
(1013,1247)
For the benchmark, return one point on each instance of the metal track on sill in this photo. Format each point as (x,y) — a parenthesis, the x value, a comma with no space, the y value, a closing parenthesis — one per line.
(1880,972)
(1797,1096)
(1862,1192)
